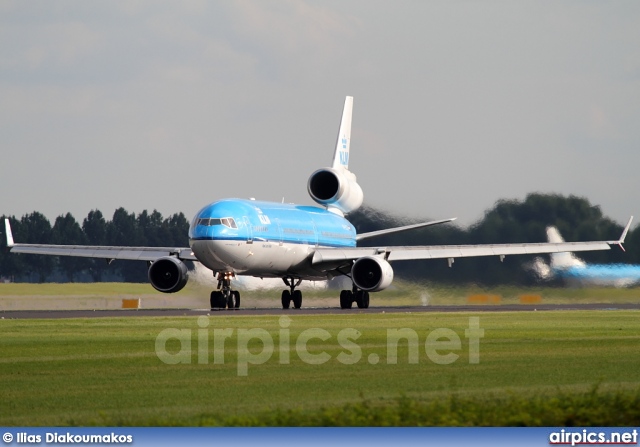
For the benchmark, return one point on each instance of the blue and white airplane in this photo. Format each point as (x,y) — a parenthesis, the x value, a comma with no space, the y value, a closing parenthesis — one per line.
(576,272)
(293,242)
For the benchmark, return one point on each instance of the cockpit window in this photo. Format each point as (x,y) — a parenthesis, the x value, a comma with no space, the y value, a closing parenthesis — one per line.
(226,221)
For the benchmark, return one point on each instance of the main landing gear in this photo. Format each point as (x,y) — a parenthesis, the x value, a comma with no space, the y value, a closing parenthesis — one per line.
(224,296)
(348,297)
(291,295)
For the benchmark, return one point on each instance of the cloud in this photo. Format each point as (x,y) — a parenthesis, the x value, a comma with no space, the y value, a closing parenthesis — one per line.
(291,36)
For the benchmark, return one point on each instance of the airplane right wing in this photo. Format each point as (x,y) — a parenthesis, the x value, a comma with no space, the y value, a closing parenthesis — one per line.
(102,252)
(330,257)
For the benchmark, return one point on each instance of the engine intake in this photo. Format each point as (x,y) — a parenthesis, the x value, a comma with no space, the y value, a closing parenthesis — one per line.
(372,274)
(168,274)
(336,189)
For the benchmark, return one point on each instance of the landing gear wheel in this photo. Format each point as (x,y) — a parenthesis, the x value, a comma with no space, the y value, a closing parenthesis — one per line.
(346,299)
(230,300)
(286,299)
(292,294)
(236,295)
(217,300)
(362,299)
(296,297)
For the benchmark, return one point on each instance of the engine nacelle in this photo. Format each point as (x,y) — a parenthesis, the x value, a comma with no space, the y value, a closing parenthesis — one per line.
(336,189)
(372,274)
(168,274)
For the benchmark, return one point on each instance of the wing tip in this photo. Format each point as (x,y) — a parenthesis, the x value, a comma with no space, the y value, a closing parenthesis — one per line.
(7,226)
(626,230)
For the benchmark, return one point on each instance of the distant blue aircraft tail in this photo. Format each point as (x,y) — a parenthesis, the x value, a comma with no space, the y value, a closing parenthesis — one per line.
(565,259)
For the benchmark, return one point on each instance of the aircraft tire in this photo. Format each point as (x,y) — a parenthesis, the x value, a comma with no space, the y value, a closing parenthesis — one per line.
(297,299)
(346,299)
(365,300)
(217,300)
(360,299)
(236,295)
(286,299)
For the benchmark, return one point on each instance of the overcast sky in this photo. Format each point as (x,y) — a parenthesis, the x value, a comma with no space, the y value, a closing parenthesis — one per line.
(172,105)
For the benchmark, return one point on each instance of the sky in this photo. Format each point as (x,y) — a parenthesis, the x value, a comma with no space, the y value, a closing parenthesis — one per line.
(457,104)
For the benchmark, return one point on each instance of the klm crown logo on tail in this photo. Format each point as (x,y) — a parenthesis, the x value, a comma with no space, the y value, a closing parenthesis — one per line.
(341,155)
(344,158)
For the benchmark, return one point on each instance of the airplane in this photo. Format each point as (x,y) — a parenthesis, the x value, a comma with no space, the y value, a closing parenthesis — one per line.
(294,242)
(575,271)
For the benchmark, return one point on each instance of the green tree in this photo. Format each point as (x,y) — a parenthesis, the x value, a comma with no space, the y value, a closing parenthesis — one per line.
(177,226)
(94,227)
(123,231)
(66,231)
(34,228)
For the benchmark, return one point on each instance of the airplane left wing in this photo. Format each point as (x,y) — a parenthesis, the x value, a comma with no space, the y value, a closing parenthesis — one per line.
(101,252)
(333,257)
(405,253)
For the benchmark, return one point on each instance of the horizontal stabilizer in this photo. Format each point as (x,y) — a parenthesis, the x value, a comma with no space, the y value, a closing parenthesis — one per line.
(362,236)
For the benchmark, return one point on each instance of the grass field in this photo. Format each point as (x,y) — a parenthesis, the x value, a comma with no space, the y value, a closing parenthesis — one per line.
(535,368)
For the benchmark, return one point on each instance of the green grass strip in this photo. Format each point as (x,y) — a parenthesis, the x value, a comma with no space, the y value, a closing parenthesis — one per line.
(535,368)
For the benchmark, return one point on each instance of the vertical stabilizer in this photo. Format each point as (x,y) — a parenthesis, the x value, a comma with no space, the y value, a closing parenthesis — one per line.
(343,143)
(565,259)
(336,187)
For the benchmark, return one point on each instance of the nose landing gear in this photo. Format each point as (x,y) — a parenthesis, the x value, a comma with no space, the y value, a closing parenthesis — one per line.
(224,297)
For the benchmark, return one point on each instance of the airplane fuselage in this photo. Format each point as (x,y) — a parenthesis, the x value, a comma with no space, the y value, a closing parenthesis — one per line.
(266,239)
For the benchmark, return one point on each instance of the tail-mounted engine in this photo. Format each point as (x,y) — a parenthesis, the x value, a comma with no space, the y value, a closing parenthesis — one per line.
(372,274)
(168,274)
(336,189)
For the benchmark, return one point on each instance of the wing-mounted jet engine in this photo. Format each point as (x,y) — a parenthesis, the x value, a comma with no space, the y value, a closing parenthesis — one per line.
(168,274)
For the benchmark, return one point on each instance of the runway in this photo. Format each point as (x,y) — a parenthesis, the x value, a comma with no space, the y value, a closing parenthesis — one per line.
(120,313)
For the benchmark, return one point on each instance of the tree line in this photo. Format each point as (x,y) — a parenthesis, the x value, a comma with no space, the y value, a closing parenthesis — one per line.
(509,221)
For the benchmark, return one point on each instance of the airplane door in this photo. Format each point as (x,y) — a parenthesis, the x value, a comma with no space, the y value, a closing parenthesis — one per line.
(247,225)
(315,234)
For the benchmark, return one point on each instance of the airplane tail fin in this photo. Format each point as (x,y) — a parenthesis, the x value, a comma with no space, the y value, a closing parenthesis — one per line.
(343,143)
(336,187)
(565,259)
